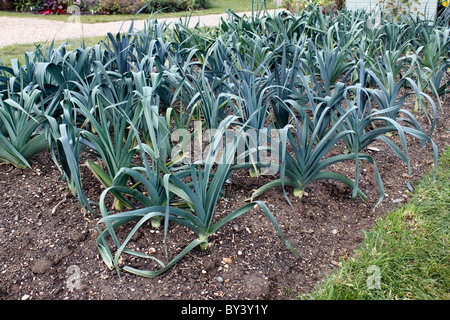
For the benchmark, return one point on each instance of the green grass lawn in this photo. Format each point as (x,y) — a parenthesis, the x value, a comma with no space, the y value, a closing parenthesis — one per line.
(217,7)
(407,250)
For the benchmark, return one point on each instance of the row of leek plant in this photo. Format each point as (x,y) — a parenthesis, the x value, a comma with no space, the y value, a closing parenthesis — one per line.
(317,80)
(162,193)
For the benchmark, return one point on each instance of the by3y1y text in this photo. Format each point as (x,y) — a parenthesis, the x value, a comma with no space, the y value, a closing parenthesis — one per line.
(228,309)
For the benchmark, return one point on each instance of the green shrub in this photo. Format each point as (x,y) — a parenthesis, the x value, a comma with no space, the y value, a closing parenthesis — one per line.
(197,4)
(166,5)
(118,6)
(6,4)
(20,5)
(176,5)
(133,6)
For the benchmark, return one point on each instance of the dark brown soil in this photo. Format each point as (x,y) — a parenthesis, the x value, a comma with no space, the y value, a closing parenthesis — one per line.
(46,239)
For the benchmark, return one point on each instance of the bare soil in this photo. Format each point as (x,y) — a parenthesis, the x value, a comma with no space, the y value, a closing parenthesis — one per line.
(46,239)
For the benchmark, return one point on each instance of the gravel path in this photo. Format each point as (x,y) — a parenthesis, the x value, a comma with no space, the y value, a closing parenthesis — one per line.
(30,30)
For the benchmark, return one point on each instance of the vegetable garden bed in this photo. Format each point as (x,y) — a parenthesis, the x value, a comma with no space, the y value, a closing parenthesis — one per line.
(366,105)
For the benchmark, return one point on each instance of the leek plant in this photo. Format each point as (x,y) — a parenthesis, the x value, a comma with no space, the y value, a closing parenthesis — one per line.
(387,95)
(213,107)
(113,144)
(308,160)
(328,64)
(254,89)
(214,67)
(284,29)
(431,62)
(201,196)
(119,48)
(65,138)
(154,157)
(199,37)
(286,82)
(20,77)
(20,120)
(379,113)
